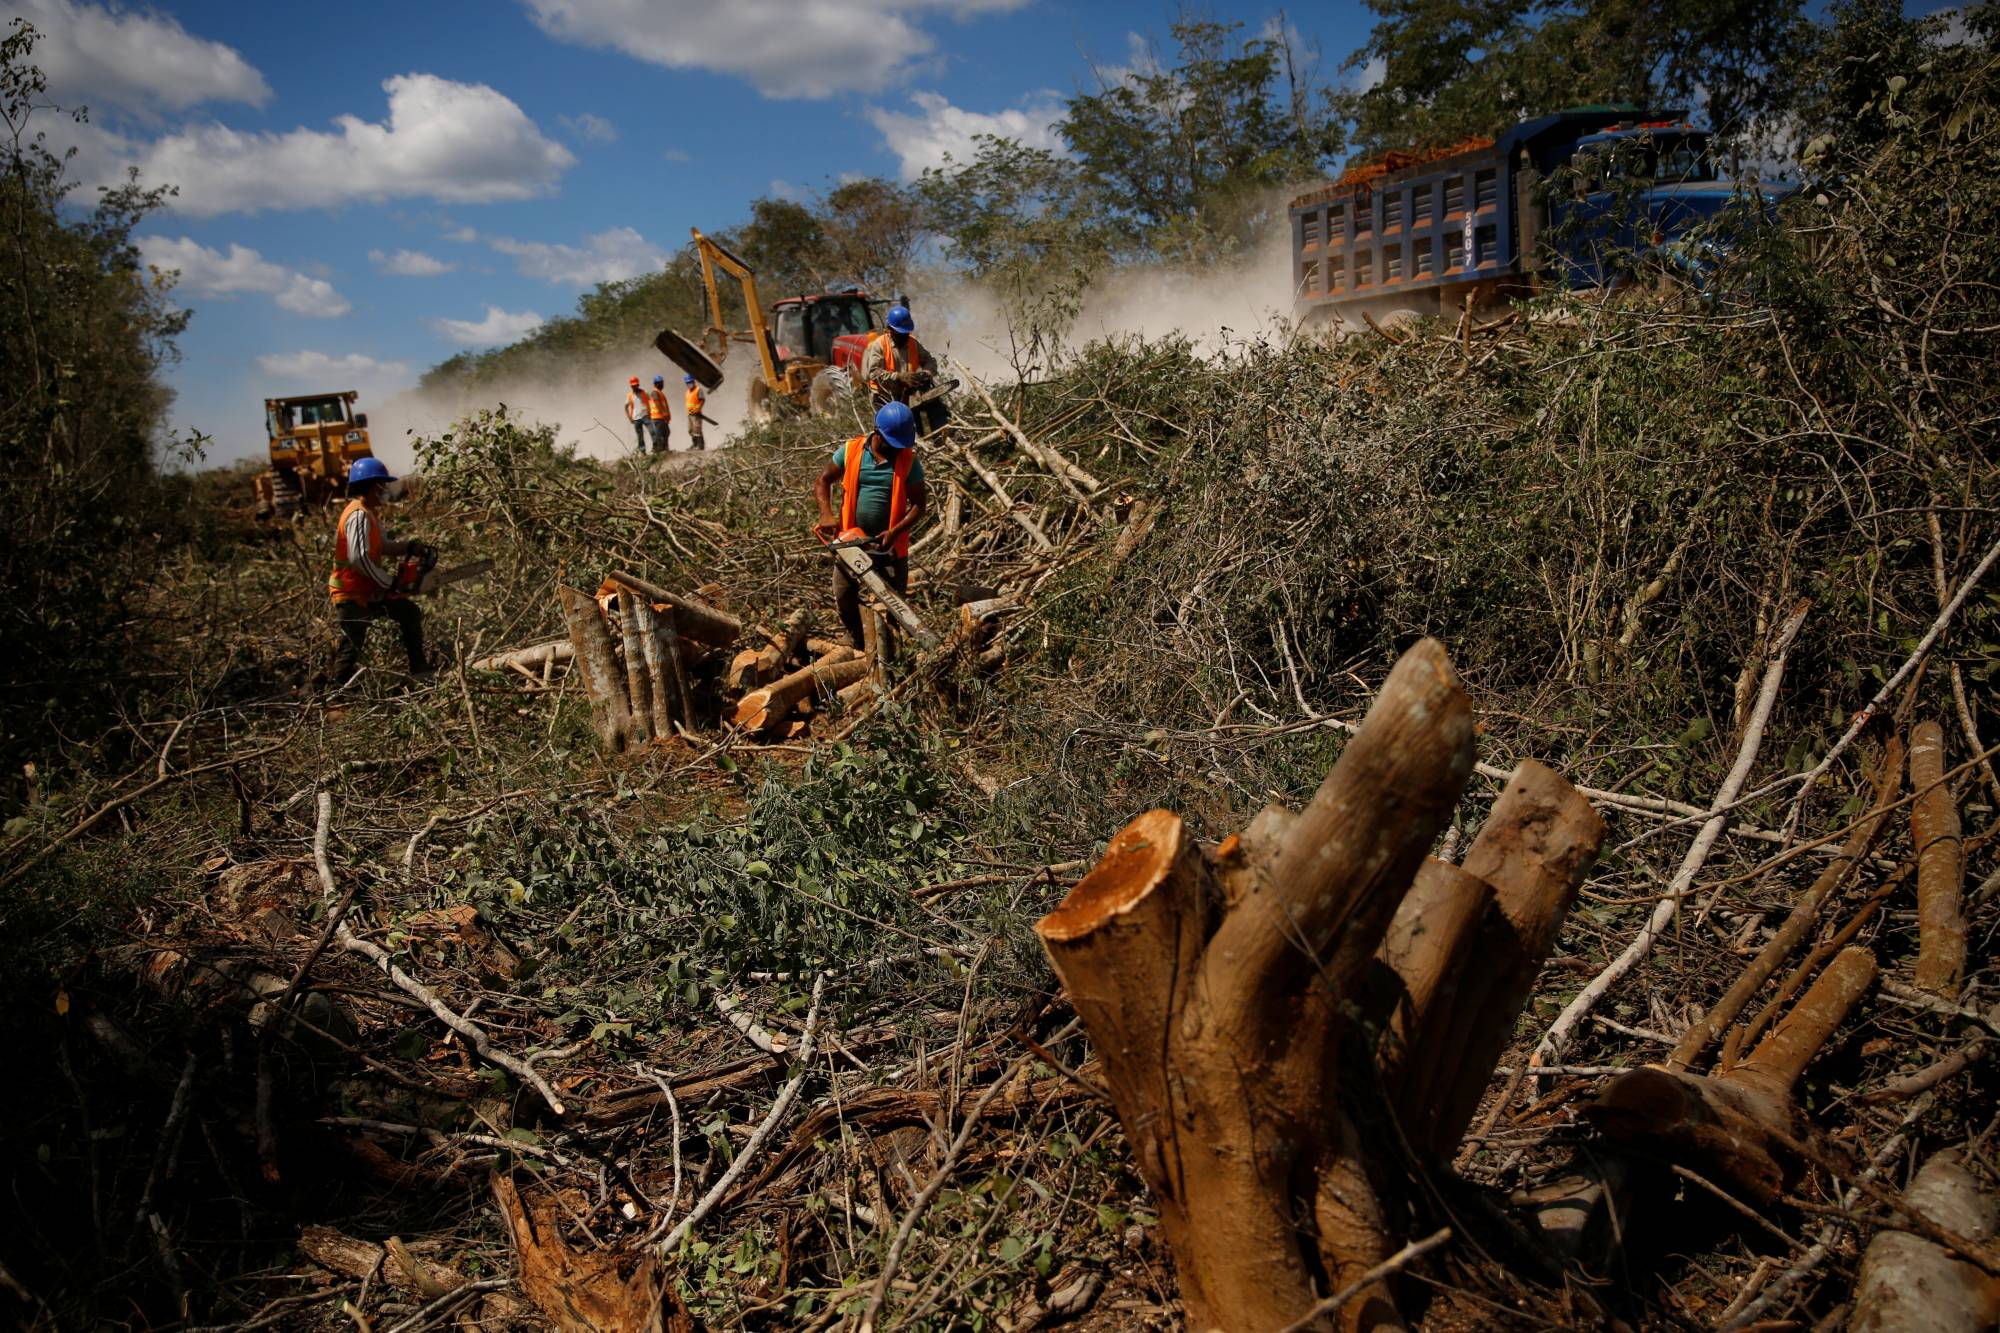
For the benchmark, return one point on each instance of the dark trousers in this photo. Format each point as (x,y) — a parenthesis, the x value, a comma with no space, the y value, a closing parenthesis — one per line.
(847,590)
(661,442)
(639,432)
(354,619)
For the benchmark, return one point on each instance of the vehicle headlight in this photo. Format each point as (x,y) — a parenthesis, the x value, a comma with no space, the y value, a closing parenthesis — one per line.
(354,437)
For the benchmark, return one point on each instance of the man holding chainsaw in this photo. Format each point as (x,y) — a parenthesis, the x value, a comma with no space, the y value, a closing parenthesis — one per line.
(361,585)
(897,368)
(882,499)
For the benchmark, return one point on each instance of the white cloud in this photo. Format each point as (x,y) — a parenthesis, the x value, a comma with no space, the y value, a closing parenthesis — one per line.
(786,48)
(676,155)
(143,62)
(499,326)
(454,142)
(1369,75)
(462,235)
(780,188)
(938,129)
(409,263)
(309,372)
(605,257)
(206,272)
(594,128)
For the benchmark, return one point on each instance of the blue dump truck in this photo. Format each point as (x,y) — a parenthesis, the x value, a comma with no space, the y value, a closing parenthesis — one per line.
(1416,234)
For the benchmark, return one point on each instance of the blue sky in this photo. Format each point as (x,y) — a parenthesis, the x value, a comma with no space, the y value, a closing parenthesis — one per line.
(366,188)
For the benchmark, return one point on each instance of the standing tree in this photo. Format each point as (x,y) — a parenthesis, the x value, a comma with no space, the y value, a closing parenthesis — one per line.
(1453,68)
(1191,155)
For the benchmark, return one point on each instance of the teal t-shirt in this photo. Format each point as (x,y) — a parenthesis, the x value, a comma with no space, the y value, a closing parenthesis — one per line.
(871,504)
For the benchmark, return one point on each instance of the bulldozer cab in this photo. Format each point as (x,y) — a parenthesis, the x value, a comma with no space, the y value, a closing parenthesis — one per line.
(808,326)
(314,439)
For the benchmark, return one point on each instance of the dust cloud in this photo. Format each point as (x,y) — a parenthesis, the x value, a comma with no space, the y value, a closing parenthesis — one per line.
(965,323)
(585,404)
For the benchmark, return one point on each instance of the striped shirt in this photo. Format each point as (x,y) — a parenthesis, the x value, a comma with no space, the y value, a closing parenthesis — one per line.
(362,551)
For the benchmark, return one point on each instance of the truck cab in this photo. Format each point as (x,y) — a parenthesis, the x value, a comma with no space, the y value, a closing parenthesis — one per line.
(1633,190)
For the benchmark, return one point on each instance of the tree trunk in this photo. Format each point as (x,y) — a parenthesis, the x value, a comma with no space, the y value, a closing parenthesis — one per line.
(674,658)
(698,620)
(760,710)
(662,697)
(638,685)
(1220,991)
(1912,1285)
(603,684)
(1934,829)
(1733,1127)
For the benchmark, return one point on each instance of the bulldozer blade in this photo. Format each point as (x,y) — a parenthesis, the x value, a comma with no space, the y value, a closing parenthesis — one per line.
(691,359)
(437,578)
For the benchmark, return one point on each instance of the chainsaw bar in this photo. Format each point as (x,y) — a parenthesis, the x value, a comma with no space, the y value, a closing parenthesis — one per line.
(437,578)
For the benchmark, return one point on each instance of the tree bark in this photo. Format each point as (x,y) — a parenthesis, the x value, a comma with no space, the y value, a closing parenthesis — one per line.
(674,660)
(1934,829)
(1221,992)
(541,654)
(698,620)
(1912,1285)
(760,710)
(603,685)
(638,685)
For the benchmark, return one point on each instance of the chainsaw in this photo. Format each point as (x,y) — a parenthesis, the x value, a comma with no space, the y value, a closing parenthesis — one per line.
(856,555)
(419,573)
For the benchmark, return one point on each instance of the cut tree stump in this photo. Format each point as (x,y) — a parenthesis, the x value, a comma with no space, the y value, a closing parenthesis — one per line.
(638,685)
(1912,1285)
(1221,990)
(603,680)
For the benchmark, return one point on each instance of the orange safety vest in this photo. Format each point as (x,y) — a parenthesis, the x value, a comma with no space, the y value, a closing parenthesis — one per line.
(851,490)
(656,405)
(346,584)
(889,354)
(694,399)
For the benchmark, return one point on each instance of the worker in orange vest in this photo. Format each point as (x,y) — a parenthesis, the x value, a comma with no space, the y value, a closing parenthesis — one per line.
(362,584)
(658,417)
(637,411)
(896,367)
(697,398)
(882,500)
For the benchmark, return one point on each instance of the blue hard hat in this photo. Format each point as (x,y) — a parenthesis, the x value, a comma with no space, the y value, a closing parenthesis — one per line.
(687,379)
(899,320)
(364,471)
(659,379)
(897,425)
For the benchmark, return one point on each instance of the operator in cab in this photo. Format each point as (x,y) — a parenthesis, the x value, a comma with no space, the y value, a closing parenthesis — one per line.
(882,500)
(363,584)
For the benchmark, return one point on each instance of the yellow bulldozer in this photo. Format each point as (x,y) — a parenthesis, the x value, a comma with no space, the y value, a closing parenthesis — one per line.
(314,439)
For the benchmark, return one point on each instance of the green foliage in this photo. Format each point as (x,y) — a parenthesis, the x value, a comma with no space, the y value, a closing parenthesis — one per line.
(1186,159)
(1456,68)
(84,331)
(820,860)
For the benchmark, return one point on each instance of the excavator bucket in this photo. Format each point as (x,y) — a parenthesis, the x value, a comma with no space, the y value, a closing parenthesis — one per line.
(691,359)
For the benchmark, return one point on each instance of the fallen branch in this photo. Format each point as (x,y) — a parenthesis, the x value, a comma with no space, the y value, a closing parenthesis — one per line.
(1549,1049)
(786,1096)
(409,985)
(1395,1263)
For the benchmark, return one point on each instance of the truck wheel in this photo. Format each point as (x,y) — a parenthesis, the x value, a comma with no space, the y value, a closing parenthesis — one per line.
(830,388)
(763,404)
